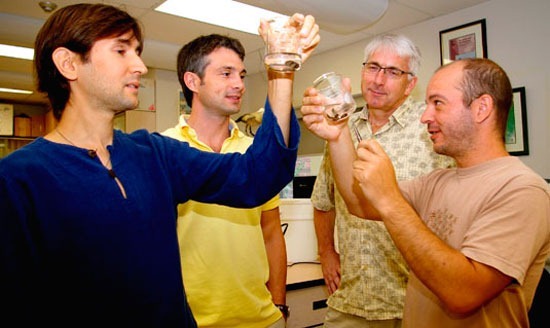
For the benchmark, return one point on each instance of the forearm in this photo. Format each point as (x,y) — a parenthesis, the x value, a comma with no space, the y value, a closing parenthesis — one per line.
(277,276)
(279,94)
(460,283)
(324,230)
(330,259)
(276,255)
(342,156)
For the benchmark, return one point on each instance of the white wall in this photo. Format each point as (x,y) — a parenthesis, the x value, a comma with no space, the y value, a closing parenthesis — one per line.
(518,39)
(167,89)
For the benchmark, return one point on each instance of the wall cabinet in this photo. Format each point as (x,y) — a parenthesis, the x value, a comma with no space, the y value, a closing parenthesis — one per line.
(41,124)
(21,124)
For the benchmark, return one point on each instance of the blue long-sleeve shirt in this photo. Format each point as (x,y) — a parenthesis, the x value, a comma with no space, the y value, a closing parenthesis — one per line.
(75,252)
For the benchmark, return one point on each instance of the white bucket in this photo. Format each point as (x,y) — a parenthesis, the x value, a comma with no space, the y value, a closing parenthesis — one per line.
(300,238)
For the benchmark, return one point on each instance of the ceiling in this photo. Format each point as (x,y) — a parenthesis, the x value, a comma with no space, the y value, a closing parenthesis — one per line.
(165,34)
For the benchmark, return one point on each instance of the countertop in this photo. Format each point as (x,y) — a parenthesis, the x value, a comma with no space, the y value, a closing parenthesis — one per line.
(304,275)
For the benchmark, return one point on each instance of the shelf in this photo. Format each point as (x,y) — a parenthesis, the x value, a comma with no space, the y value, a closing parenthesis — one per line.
(9,144)
(17,138)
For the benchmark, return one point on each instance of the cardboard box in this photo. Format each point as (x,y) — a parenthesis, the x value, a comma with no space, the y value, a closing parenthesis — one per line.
(22,126)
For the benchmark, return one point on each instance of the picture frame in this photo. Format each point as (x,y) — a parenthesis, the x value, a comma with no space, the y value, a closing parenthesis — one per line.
(516,137)
(464,41)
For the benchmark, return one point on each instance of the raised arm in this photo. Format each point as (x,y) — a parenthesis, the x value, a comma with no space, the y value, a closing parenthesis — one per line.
(280,83)
(342,151)
(432,260)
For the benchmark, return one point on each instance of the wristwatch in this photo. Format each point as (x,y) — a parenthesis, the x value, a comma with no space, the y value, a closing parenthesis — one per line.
(284,310)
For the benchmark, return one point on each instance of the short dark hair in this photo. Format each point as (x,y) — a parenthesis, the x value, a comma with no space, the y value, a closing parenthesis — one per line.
(192,57)
(484,76)
(76,27)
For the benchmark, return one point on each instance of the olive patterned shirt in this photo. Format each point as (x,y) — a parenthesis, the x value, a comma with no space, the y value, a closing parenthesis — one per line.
(373,273)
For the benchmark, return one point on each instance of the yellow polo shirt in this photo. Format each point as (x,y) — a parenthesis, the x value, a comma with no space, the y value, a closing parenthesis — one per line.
(223,255)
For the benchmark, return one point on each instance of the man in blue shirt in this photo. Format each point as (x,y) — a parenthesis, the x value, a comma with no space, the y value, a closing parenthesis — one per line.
(87,232)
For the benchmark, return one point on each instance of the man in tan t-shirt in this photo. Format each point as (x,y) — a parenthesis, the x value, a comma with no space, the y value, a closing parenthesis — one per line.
(475,237)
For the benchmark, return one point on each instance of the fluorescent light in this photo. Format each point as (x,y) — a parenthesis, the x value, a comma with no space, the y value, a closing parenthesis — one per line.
(16,52)
(9,90)
(225,13)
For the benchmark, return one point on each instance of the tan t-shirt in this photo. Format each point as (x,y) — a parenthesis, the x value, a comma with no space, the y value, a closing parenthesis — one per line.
(496,213)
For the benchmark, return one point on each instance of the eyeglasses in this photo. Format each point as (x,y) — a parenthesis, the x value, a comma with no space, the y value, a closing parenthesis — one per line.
(391,72)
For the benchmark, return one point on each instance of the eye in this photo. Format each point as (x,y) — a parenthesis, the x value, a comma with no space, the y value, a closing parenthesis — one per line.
(435,102)
(371,68)
(395,72)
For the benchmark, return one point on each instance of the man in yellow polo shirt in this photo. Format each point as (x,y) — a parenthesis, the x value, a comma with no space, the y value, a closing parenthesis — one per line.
(233,260)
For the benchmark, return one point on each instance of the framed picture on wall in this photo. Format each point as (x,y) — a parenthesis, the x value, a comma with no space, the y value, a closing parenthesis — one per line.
(464,41)
(516,137)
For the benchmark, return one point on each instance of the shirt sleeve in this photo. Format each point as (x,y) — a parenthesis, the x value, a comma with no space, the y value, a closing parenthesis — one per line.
(234,179)
(322,196)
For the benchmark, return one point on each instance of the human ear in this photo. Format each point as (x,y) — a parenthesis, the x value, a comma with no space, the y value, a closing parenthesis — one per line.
(483,107)
(191,80)
(63,60)
(411,85)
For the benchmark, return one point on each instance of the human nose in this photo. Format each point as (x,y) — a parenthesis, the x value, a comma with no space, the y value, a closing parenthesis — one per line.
(427,116)
(238,83)
(380,76)
(139,66)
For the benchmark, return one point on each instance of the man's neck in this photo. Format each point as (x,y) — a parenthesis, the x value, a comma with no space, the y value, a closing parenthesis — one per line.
(211,130)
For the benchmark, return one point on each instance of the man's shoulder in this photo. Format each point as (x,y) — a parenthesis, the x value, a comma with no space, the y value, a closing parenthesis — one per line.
(28,156)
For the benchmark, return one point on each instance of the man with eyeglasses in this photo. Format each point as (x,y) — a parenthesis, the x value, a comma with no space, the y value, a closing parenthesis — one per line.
(365,274)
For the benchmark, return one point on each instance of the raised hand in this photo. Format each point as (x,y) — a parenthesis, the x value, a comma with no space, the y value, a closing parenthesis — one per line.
(309,32)
(314,118)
